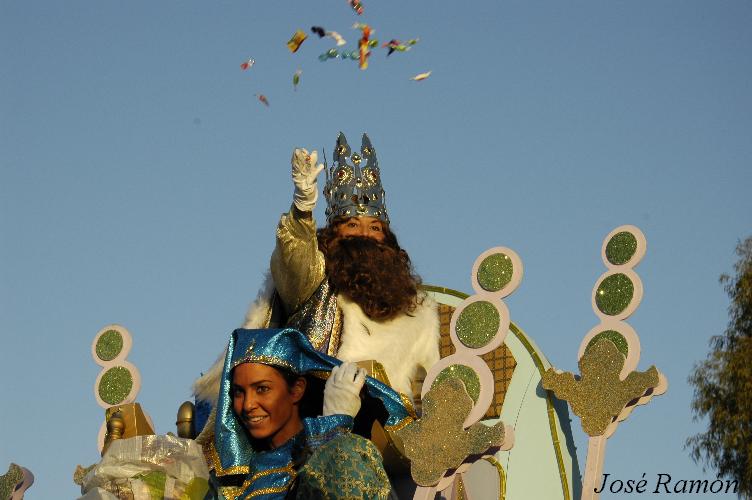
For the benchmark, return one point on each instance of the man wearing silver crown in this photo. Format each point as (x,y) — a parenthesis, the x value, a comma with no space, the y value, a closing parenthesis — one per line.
(348,286)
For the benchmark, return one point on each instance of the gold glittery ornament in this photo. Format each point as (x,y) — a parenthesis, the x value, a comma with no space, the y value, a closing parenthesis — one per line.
(115,385)
(614,294)
(437,441)
(9,480)
(495,272)
(621,248)
(599,395)
(80,473)
(477,324)
(464,373)
(109,345)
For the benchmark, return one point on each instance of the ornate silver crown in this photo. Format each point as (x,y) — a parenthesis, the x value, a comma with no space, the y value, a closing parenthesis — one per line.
(353,190)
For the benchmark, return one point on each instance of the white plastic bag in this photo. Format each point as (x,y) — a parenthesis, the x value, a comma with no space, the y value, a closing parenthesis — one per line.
(149,468)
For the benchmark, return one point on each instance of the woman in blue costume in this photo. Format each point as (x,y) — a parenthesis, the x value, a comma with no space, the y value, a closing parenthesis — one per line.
(278,435)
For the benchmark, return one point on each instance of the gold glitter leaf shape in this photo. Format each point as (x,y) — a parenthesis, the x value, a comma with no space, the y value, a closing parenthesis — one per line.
(9,480)
(437,442)
(599,395)
(80,473)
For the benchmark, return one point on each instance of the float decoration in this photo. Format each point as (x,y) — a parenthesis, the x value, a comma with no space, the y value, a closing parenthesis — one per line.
(135,462)
(609,388)
(438,441)
(478,326)
(15,482)
(117,386)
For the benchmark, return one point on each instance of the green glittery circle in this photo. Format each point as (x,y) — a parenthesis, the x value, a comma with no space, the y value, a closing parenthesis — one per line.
(477,324)
(495,272)
(464,373)
(115,385)
(614,294)
(109,345)
(617,338)
(621,248)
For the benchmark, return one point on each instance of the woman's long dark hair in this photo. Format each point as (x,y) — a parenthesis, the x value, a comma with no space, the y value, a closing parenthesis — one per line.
(312,402)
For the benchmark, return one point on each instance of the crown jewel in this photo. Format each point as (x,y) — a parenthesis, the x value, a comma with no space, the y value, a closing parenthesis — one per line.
(353,189)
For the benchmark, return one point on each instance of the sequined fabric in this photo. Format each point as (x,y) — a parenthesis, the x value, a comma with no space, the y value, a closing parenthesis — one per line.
(320,318)
(270,473)
(298,269)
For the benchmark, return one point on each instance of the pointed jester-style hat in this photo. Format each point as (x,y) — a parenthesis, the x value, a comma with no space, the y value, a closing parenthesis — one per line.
(284,348)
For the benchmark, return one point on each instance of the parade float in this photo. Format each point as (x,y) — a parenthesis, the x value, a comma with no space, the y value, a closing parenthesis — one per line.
(492,421)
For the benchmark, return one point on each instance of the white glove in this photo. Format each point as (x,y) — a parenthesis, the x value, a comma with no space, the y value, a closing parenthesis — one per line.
(304,173)
(342,390)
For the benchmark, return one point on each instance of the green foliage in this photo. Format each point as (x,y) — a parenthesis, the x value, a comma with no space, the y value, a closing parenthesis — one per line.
(723,385)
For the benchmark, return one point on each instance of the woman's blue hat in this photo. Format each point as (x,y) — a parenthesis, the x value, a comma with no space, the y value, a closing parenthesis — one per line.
(287,349)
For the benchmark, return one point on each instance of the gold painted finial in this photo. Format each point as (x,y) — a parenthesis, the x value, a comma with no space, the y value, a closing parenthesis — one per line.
(115,429)
(185,424)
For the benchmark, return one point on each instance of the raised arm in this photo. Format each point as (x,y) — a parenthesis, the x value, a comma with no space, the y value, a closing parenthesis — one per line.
(297,265)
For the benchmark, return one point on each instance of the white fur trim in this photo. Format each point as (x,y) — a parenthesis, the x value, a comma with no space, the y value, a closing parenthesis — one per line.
(259,309)
(401,344)
(206,387)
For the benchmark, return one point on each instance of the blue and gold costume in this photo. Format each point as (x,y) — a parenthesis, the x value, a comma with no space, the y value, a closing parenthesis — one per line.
(324,460)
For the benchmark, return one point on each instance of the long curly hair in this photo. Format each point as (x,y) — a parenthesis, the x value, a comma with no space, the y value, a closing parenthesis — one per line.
(378,276)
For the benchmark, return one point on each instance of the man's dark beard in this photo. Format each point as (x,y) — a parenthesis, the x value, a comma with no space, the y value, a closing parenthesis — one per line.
(374,275)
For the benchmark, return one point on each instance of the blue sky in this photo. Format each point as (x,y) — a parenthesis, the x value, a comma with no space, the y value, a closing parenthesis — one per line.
(141,181)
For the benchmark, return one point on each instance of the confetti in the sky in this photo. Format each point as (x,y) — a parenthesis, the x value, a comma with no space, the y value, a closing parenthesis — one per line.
(356,5)
(248,64)
(396,45)
(321,32)
(296,79)
(421,76)
(297,38)
(363,44)
(337,38)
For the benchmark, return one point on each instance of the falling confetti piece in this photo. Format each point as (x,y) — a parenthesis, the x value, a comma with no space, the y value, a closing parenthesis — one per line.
(297,38)
(248,64)
(356,5)
(396,45)
(363,44)
(321,32)
(263,99)
(337,38)
(296,79)
(421,76)
(344,55)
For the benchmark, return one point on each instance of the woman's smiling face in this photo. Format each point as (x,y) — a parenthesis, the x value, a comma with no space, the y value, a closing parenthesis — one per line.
(265,402)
